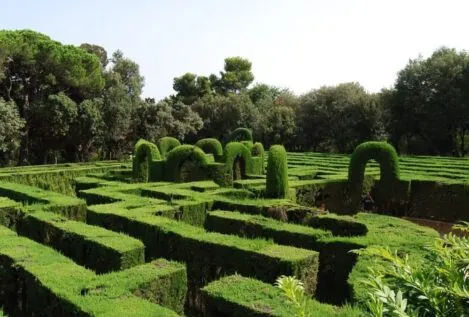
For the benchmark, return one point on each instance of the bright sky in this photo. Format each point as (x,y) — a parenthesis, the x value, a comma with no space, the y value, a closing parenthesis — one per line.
(299,44)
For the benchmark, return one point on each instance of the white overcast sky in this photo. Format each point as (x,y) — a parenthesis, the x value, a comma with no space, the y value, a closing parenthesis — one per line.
(298,44)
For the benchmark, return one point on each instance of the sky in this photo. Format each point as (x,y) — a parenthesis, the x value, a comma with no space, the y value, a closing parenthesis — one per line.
(296,44)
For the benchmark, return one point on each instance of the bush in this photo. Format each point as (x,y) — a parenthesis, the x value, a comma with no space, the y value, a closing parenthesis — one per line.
(437,288)
(383,152)
(166,144)
(211,146)
(241,134)
(144,153)
(237,158)
(277,172)
(181,154)
(257,149)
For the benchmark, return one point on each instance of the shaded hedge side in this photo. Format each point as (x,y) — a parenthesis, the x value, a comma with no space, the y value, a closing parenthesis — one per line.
(241,134)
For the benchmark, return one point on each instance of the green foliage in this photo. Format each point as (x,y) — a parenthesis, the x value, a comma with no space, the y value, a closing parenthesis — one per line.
(222,114)
(295,292)
(258,149)
(166,144)
(427,108)
(190,87)
(97,50)
(236,77)
(237,159)
(383,152)
(241,134)
(211,146)
(338,118)
(184,154)
(277,172)
(11,125)
(436,288)
(144,154)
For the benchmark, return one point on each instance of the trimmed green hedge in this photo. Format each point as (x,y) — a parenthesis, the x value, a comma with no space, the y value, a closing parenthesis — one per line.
(277,173)
(144,153)
(241,134)
(70,207)
(96,248)
(382,152)
(56,286)
(237,156)
(238,296)
(207,255)
(181,154)
(166,144)
(211,146)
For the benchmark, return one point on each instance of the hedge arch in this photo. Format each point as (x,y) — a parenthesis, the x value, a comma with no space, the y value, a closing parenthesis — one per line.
(211,146)
(144,153)
(382,152)
(241,134)
(277,172)
(166,144)
(181,154)
(257,149)
(236,152)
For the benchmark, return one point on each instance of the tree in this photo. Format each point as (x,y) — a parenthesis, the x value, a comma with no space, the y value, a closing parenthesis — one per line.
(50,123)
(263,91)
(155,120)
(97,50)
(35,67)
(429,105)
(11,125)
(277,119)
(235,78)
(223,114)
(190,87)
(338,118)
(87,129)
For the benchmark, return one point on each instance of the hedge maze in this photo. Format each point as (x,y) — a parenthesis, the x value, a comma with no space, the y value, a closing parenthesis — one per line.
(206,229)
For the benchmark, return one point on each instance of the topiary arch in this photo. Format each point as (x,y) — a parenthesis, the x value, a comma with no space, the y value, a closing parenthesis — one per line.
(241,134)
(181,154)
(277,172)
(144,153)
(166,144)
(211,146)
(237,153)
(382,152)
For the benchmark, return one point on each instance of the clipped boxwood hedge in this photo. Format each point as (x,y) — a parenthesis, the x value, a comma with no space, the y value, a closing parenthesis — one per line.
(211,146)
(180,155)
(144,153)
(241,134)
(166,144)
(277,173)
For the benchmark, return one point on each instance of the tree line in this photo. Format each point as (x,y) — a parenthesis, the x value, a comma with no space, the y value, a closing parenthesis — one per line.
(75,103)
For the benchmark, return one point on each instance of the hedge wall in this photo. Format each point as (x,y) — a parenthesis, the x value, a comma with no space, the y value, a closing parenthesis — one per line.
(181,154)
(241,134)
(144,153)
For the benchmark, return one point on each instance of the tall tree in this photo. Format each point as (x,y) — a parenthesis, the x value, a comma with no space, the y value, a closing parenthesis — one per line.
(189,87)
(34,67)
(235,78)
(429,106)
(97,50)
(11,125)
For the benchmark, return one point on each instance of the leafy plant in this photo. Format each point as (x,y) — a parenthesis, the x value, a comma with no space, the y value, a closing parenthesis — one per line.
(439,287)
(295,292)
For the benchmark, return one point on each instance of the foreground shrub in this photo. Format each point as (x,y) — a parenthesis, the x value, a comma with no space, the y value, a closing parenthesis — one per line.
(166,144)
(277,172)
(439,287)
